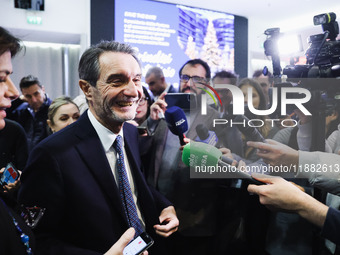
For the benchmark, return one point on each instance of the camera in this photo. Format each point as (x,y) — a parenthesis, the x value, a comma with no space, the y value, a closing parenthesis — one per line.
(322,61)
(323,53)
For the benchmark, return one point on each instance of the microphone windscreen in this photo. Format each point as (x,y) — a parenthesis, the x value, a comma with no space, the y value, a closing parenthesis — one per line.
(252,133)
(202,131)
(176,120)
(200,154)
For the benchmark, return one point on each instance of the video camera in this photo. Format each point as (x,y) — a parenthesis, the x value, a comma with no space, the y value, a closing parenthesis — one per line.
(322,61)
(323,54)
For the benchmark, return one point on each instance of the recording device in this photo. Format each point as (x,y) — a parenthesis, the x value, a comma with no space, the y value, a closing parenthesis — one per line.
(323,54)
(10,175)
(204,155)
(138,245)
(204,135)
(185,101)
(251,133)
(271,49)
(177,122)
(323,61)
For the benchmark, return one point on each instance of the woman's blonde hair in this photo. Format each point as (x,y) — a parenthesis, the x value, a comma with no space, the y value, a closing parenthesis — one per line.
(56,103)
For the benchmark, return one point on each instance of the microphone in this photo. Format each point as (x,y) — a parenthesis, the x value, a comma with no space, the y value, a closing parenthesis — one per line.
(205,136)
(251,133)
(205,155)
(177,122)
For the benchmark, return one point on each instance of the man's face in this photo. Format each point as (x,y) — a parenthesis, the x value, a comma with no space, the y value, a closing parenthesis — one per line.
(193,72)
(156,85)
(264,81)
(8,91)
(34,95)
(115,98)
(255,95)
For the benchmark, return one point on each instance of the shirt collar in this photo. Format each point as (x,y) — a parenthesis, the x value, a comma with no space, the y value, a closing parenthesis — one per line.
(106,136)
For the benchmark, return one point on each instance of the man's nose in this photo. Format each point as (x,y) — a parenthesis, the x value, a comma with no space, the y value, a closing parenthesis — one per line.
(131,89)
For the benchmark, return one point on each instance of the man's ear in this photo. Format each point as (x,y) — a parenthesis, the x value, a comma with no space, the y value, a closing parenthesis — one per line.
(86,88)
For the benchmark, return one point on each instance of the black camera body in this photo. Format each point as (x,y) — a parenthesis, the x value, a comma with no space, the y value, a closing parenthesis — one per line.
(323,54)
(320,75)
(329,53)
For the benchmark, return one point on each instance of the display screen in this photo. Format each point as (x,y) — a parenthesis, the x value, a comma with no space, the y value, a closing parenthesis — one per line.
(32,5)
(135,247)
(168,35)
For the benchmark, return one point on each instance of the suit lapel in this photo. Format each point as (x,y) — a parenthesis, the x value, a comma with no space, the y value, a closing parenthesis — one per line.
(131,148)
(93,154)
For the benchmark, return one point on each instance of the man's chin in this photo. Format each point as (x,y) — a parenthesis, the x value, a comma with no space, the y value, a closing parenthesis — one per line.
(188,91)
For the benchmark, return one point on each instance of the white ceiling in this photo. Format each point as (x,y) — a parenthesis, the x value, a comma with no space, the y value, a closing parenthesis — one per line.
(275,10)
(270,12)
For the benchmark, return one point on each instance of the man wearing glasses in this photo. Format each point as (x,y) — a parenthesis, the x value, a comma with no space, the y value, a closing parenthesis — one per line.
(193,74)
(194,199)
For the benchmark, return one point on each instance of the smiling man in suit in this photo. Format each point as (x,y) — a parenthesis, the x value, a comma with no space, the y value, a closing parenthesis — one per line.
(76,173)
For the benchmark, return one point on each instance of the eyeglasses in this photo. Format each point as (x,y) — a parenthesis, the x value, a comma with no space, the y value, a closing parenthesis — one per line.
(142,101)
(195,79)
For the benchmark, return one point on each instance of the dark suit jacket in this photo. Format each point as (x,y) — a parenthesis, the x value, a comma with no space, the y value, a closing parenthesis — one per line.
(10,241)
(13,145)
(330,229)
(69,175)
(172,89)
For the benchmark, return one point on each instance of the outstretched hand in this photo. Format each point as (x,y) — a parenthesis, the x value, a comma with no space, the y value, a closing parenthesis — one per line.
(158,108)
(275,153)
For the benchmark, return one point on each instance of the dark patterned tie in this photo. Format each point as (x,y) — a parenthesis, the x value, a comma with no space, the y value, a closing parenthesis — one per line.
(125,189)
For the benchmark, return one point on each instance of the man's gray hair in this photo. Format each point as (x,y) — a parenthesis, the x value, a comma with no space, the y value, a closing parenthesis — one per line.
(89,67)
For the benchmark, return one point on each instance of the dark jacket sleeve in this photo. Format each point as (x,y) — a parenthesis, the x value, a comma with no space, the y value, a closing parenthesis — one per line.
(331,226)
(41,186)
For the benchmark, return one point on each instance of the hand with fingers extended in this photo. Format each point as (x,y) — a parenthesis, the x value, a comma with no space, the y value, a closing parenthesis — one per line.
(275,153)
(284,195)
(158,108)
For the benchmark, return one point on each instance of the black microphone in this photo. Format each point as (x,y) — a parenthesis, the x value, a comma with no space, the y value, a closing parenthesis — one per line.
(204,135)
(177,122)
(251,133)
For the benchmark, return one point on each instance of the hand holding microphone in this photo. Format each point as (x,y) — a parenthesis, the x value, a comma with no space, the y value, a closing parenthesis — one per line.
(205,155)
(177,122)
(204,135)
